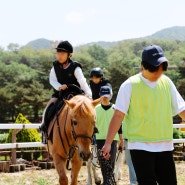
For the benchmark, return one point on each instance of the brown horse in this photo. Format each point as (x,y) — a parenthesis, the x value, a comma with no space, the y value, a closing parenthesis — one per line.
(72,135)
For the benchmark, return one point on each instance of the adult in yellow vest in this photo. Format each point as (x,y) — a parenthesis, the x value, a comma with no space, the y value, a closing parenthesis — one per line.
(147,101)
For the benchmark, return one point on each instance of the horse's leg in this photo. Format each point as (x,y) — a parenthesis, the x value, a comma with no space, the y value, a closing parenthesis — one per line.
(89,178)
(95,162)
(96,177)
(60,167)
(76,164)
(118,162)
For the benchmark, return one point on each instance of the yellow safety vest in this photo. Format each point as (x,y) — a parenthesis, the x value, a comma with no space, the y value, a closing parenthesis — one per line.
(149,117)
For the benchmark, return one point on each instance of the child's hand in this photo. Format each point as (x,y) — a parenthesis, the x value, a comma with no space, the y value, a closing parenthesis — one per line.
(63,87)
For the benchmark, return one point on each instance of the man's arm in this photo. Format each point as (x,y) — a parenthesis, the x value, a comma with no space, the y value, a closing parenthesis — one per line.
(182,114)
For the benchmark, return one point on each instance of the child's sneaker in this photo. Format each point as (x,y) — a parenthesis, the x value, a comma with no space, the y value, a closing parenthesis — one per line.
(44,138)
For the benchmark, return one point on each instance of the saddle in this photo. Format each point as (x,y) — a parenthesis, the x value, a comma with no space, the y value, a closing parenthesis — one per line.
(54,109)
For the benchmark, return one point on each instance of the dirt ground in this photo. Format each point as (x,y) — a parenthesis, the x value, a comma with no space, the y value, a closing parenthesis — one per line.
(50,177)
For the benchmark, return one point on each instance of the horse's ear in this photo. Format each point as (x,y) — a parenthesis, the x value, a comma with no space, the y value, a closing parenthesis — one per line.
(70,104)
(96,102)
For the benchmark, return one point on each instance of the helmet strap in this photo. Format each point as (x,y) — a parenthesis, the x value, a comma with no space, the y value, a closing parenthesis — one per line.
(64,63)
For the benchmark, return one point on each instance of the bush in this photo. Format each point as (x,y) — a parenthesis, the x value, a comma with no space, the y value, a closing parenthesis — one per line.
(177,134)
(25,135)
(2,131)
(3,138)
(183,134)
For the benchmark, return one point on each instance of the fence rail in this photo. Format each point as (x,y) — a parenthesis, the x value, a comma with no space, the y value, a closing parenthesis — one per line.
(21,145)
(19,126)
(14,145)
(39,144)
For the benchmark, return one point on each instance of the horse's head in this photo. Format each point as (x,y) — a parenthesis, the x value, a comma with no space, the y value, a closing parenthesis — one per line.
(82,119)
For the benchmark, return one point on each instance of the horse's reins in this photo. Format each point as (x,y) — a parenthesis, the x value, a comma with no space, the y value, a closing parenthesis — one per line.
(72,148)
(60,135)
(105,164)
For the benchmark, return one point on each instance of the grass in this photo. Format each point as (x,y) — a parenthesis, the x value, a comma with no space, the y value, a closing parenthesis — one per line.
(42,181)
(47,177)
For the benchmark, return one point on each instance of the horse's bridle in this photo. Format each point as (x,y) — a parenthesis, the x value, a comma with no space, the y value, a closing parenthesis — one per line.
(75,136)
(72,148)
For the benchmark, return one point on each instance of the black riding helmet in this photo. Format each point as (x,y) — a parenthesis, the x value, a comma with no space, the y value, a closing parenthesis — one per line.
(96,72)
(64,46)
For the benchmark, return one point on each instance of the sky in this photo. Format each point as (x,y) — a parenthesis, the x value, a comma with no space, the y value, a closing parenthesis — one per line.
(84,21)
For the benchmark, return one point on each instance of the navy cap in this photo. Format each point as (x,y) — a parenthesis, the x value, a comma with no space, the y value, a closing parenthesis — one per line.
(154,55)
(106,91)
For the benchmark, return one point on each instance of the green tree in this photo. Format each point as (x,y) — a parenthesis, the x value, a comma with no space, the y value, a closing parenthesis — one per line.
(181,87)
(84,58)
(36,98)
(99,55)
(120,66)
(13,47)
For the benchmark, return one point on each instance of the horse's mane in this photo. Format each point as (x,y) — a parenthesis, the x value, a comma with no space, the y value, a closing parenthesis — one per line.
(82,107)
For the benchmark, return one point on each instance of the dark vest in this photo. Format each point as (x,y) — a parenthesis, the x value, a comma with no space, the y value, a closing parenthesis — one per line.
(95,88)
(66,76)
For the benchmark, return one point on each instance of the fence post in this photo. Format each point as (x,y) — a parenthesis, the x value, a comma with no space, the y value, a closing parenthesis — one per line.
(13,153)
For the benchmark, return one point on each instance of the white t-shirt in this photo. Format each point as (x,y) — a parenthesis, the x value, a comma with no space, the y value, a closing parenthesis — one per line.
(79,76)
(123,102)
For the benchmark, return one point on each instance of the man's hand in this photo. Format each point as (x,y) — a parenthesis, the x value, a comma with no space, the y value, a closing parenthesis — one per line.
(105,151)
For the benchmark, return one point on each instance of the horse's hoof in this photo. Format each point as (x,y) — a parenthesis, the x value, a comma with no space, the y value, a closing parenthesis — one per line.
(98,181)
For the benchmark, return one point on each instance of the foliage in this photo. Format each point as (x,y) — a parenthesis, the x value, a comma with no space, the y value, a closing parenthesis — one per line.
(119,66)
(181,87)
(3,138)
(24,72)
(13,47)
(16,79)
(84,58)
(173,75)
(183,134)
(177,134)
(25,135)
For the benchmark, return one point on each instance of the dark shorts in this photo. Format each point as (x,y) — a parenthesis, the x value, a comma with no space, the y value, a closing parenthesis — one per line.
(154,167)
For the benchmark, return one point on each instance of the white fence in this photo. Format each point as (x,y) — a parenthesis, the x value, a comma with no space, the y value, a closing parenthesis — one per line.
(19,127)
(39,144)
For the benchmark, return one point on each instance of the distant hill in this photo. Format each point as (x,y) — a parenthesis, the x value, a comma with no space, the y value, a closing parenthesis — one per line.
(39,44)
(103,44)
(172,33)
